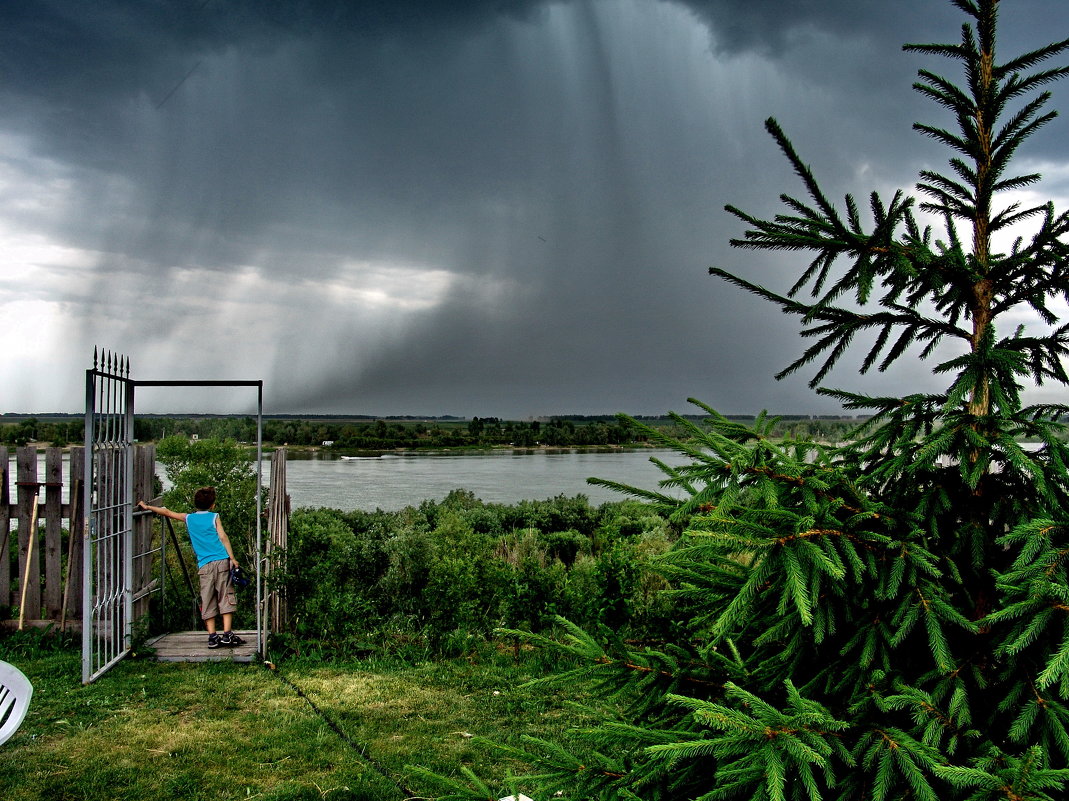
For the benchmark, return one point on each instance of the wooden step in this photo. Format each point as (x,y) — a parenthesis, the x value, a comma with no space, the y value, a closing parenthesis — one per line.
(192,646)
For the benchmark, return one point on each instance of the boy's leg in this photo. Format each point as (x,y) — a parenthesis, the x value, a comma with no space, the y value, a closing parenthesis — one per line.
(228,637)
(228,604)
(209,598)
(214,638)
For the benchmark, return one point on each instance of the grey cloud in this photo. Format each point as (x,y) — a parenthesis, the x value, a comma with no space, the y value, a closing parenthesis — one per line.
(773,26)
(768,25)
(518,148)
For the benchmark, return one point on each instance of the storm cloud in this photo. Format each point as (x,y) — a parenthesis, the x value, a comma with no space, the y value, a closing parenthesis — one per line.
(411,207)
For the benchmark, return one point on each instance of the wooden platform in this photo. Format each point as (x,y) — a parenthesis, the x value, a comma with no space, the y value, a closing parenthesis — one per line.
(192,646)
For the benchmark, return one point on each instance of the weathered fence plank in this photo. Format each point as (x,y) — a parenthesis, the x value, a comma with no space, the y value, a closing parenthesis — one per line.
(72,590)
(278,513)
(29,599)
(53,546)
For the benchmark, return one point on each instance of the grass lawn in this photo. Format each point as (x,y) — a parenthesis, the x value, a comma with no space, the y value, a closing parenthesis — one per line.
(223,730)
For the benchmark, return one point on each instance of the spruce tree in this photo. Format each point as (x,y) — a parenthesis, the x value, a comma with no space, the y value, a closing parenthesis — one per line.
(889,618)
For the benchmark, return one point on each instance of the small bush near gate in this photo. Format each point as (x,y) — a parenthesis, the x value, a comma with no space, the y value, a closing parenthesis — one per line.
(223,464)
(445,570)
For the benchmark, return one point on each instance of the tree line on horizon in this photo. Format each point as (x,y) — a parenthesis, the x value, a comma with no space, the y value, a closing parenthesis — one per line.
(394,433)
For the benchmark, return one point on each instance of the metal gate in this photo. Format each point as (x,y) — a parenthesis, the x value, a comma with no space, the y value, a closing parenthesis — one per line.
(107,537)
(108,554)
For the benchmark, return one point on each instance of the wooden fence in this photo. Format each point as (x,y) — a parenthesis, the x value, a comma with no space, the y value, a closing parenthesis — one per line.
(278,517)
(41,557)
(41,574)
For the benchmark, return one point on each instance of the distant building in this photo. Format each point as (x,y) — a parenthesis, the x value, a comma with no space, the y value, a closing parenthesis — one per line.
(327,443)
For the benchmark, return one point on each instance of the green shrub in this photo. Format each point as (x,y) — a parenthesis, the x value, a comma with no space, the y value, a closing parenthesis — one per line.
(448,571)
(223,464)
(331,573)
(565,546)
(411,553)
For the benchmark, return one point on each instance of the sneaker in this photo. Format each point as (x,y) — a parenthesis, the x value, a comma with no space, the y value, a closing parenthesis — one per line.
(213,641)
(230,639)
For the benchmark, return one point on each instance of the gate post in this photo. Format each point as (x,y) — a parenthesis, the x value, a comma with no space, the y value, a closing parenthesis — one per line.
(107,537)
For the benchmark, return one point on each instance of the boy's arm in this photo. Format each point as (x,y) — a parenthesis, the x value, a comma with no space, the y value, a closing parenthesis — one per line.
(163,510)
(225,540)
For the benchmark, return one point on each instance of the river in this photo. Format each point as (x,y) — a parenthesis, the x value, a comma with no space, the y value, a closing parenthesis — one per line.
(394,481)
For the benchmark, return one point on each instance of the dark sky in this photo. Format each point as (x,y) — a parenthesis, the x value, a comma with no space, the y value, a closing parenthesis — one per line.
(472,207)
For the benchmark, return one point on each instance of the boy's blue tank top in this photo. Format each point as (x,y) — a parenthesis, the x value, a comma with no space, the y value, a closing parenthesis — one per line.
(205,539)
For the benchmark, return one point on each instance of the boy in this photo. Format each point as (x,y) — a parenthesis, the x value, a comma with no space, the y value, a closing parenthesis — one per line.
(215,557)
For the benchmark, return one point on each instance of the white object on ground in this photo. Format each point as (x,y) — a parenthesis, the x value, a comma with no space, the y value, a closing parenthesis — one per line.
(15,692)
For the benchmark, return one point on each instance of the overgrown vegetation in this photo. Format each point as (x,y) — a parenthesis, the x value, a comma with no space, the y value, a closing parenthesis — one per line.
(451,571)
(886,620)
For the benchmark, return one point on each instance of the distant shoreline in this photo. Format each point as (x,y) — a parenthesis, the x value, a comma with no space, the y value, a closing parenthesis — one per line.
(17,417)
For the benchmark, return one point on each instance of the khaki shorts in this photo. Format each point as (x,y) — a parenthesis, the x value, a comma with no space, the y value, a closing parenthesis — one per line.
(217,596)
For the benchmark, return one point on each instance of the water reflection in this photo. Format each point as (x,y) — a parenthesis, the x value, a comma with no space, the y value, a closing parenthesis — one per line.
(393,481)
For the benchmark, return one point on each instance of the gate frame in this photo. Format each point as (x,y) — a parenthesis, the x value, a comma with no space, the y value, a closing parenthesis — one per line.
(90,672)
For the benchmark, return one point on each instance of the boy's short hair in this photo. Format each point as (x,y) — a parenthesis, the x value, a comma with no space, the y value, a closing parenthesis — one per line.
(204,498)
